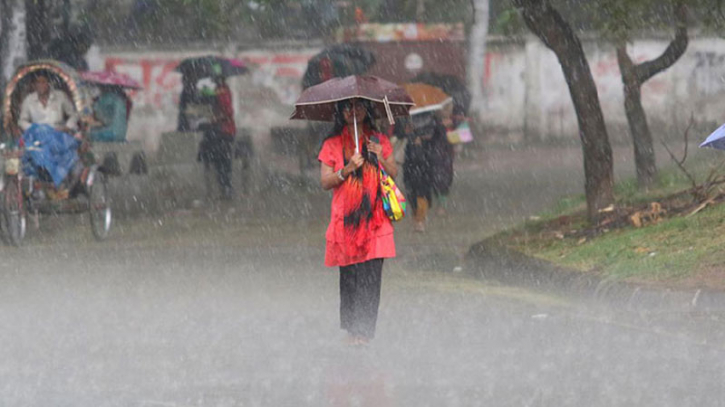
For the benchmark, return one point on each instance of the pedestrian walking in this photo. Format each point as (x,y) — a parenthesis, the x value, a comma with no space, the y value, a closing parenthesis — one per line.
(441,155)
(360,235)
(216,148)
(419,167)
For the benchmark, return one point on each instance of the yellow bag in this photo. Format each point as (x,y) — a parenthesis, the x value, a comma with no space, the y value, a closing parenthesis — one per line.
(393,200)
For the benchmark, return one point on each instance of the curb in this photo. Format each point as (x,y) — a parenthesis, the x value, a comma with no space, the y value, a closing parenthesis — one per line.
(491,261)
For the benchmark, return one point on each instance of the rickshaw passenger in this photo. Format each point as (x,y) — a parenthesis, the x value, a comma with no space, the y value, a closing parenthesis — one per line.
(111,111)
(45,127)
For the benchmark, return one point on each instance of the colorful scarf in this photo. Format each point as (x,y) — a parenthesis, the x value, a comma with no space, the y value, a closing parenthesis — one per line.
(363,209)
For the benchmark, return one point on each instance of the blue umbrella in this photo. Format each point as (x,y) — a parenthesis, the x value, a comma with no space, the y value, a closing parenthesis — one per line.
(716,139)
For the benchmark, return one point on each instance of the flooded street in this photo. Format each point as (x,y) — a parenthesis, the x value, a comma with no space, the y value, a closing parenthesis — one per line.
(230,306)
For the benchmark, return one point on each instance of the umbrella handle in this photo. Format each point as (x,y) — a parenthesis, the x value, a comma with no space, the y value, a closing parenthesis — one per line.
(388,111)
(354,125)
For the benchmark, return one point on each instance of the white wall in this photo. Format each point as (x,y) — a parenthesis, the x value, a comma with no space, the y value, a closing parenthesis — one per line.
(527,99)
(262,99)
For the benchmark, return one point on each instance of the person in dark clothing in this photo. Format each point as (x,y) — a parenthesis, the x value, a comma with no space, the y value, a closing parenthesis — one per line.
(189,95)
(441,155)
(216,148)
(418,167)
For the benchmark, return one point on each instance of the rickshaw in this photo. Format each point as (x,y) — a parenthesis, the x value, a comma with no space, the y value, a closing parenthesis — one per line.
(21,194)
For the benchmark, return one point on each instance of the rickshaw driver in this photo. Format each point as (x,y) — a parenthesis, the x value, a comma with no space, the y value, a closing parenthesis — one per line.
(49,114)
(47,106)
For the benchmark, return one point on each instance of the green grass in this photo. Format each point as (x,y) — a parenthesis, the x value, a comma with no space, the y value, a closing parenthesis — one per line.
(666,251)
(675,248)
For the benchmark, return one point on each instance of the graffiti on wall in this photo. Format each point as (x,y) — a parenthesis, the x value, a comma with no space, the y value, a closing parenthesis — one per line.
(280,71)
(161,84)
(708,75)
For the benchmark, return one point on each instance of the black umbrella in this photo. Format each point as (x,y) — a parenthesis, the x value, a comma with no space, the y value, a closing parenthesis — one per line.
(343,59)
(210,65)
(449,84)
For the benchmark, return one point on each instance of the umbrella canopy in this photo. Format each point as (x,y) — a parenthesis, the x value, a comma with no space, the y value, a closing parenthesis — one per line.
(427,98)
(450,84)
(210,65)
(110,78)
(318,102)
(337,61)
(716,139)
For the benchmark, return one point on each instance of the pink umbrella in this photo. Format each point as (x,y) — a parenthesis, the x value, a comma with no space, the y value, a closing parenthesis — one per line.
(110,78)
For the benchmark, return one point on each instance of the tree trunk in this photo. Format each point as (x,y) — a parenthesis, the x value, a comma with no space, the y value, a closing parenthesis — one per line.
(633,77)
(644,153)
(544,21)
(6,15)
(37,28)
(6,21)
(420,11)
(477,55)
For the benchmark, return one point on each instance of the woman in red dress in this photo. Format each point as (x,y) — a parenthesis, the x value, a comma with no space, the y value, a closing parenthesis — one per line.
(359,236)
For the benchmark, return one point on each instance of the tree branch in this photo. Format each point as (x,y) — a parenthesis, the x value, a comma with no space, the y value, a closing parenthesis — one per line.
(674,51)
(626,66)
(681,163)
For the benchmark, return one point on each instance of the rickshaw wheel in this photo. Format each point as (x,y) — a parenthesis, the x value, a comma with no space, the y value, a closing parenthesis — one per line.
(99,205)
(13,216)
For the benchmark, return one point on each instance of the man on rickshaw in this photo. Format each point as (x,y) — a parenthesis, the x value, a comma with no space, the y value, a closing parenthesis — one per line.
(47,119)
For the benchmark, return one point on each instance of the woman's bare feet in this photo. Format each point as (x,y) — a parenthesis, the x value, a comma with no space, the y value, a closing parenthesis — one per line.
(419,226)
(355,340)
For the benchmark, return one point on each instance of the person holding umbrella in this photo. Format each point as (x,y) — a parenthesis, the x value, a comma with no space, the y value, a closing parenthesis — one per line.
(360,235)
(216,146)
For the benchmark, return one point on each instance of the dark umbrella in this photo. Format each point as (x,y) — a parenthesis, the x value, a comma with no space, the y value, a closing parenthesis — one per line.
(340,60)
(318,102)
(450,84)
(210,65)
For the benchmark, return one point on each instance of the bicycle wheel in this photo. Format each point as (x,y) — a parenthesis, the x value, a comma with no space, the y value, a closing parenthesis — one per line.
(13,212)
(99,205)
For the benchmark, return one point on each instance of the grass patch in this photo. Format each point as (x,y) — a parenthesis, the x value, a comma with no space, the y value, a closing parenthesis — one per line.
(673,251)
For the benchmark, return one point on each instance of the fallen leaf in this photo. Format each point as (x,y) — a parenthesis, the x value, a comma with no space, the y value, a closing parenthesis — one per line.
(636,219)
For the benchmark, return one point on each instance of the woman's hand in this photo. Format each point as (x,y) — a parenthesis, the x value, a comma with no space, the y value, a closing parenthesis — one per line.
(356,161)
(376,148)
(330,179)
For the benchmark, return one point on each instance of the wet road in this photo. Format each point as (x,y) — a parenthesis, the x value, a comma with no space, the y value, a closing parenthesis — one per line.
(231,307)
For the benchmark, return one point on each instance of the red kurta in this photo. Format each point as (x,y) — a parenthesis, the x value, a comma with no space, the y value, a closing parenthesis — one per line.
(226,110)
(382,244)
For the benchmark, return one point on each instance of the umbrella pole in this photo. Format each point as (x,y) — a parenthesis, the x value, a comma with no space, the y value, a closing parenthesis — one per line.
(354,125)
